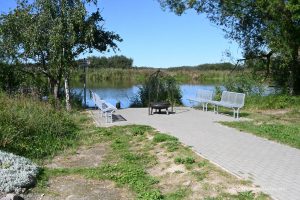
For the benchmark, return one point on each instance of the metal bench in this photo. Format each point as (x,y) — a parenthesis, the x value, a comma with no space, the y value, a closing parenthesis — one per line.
(106,109)
(232,100)
(203,97)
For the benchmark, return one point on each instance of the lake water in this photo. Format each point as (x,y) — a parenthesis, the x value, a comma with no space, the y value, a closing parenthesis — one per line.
(125,94)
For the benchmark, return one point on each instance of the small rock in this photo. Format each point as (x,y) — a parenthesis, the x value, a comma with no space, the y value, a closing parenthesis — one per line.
(12,197)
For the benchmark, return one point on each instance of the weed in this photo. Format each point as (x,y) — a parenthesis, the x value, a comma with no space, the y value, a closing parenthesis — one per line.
(179,194)
(140,130)
(199,175)
(187,160)
(247,195)
(203,163)
(161,137)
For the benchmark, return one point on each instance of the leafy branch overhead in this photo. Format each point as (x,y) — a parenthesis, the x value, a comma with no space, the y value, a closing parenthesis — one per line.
(51,34)
(260,27)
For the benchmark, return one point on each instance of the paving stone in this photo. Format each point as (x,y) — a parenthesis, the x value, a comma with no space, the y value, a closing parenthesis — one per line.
(274,167)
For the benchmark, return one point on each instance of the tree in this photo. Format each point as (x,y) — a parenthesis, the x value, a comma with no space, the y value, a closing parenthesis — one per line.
(51,34)
(261,28)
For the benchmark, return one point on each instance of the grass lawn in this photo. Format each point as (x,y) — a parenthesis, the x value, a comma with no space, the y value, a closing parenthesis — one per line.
(128,162)
(274,117)
(151,165)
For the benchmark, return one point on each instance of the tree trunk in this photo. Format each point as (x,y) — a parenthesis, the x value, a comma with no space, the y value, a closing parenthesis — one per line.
(294,79)
(67,93)
(54,89)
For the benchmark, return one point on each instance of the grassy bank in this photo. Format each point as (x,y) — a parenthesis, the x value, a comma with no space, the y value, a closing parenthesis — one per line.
(137,75)
(34,129)
(275,117)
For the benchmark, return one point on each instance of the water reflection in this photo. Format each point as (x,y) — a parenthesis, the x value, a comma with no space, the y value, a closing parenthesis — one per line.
(125,94)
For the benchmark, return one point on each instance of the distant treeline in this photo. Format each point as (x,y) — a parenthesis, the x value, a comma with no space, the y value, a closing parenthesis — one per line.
(121,62)
(214,66)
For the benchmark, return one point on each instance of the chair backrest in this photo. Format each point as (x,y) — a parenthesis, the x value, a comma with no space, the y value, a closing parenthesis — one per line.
(233,98)
(97,100)
(239,99)
(108,106)
(204,94)
(225,98)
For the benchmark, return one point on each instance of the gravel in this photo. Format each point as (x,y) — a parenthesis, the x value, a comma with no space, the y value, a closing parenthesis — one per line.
(16,173)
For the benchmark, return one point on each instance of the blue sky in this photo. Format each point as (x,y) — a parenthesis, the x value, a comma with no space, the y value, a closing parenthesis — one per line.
(156,38)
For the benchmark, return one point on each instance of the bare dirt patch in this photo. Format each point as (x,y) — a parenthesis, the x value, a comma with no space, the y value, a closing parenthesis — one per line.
(76,187)
(87,156)
(276,112)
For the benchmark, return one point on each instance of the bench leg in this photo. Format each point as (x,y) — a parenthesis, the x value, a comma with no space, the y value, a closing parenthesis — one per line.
(237,113)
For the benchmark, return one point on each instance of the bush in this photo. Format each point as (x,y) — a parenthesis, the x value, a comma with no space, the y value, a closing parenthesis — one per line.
(33,129)
(158,88)
(16,172)
(244,83)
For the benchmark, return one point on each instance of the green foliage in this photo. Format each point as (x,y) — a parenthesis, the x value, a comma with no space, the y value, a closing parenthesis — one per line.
(112,62)
(10,79)
(161,137)
(186,160)
(215,66)
(203,163)
(258,27)
(200,175)
(34,129)
(51,34)
(244,83)
(130,168)
(139,129)
(218,93)
(159,88)
(247,195)
(257,102)
(178,194)
(284,133)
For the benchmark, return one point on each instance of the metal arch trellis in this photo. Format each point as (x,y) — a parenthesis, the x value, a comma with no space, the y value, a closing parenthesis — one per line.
(154,83)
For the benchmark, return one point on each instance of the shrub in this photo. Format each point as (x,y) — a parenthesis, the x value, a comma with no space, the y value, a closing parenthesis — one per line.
(158,88)
(244,83)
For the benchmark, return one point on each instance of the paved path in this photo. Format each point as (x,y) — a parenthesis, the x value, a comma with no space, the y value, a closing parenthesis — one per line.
(272,166)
